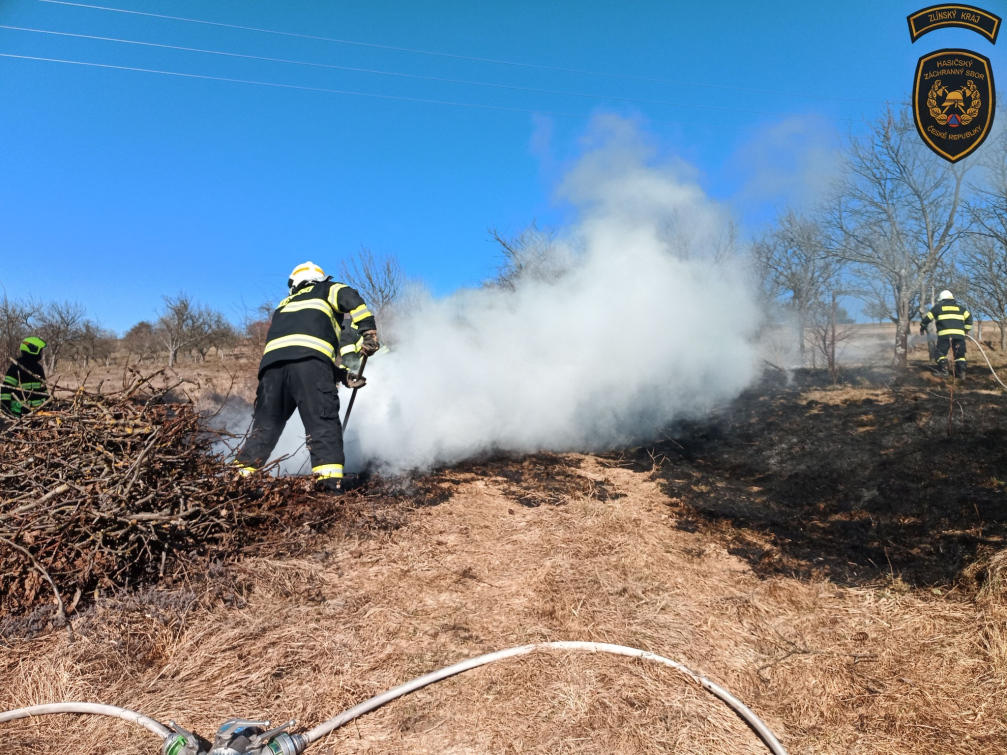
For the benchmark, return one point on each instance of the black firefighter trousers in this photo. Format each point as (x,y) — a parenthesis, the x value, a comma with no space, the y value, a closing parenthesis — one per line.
(957,346)
(310,386)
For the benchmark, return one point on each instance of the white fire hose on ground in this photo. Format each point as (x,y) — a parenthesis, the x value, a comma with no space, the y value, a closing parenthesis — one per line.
(988,364)
(238,736)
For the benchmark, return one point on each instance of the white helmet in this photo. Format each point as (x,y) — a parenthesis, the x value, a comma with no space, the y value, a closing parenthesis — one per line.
(306,272)
(945,294)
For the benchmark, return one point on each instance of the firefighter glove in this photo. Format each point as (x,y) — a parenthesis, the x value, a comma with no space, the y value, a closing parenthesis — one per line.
(350,380)
(370,345)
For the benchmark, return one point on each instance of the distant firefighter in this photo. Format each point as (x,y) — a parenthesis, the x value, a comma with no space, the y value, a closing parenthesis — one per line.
(953,321)
(300,367)
(24,386)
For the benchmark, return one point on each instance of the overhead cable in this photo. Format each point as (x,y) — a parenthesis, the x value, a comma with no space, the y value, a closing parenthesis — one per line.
(413,76)
(415,51)
(327,90)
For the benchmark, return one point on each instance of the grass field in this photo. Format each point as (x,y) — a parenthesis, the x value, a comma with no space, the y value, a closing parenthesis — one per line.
(762,548)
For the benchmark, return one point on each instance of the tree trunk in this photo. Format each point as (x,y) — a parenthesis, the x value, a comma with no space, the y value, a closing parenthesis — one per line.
(1003,335)
(172,356)
(900,360)
(833,368)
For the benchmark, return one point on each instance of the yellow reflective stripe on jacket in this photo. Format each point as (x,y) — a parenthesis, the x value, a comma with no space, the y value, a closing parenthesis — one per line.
(326,471)
(951,332)
(360,313)
(319,304)
(302,340)
(334,295)
(352,348)
(946,316)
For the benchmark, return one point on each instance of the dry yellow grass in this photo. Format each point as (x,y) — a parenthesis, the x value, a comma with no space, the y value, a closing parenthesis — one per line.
(831,670)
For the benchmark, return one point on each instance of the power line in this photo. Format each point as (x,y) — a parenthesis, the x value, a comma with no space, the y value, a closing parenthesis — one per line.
(413,76)
(341,91)
(415,51)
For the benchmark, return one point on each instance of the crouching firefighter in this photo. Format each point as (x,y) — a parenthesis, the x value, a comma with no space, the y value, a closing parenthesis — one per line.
(24,388)
(300,368)
(953,322)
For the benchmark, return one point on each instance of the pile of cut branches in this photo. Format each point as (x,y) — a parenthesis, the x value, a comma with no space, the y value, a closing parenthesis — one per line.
(106,490)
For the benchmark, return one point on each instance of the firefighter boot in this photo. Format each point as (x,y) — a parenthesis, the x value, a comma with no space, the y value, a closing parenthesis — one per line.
(330,485)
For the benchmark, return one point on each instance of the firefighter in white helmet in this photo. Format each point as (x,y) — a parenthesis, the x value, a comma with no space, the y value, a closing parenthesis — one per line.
(300,367)
(953,323)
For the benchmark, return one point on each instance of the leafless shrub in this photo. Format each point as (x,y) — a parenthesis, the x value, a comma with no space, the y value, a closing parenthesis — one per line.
(380,280)
(533,253)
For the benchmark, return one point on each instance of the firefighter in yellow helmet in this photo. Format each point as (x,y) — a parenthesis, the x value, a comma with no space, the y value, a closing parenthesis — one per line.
(24,387)
(300,367)
(954,322)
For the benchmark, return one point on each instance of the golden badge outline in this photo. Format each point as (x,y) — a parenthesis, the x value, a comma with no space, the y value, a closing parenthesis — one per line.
(915,31)
(974,105)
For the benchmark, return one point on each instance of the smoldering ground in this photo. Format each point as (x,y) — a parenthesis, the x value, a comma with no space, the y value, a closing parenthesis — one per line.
(637,315)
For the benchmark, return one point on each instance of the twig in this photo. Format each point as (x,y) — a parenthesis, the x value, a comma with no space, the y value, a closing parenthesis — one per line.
(59,600)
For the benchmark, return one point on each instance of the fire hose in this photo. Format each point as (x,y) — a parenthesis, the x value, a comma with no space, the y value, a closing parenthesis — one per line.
(988,364)
(237,736)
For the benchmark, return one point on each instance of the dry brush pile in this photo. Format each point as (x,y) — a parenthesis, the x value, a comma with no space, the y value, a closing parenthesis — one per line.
(110,490)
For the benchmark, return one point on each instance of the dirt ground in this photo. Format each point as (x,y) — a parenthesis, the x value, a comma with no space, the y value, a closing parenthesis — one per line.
(827,554)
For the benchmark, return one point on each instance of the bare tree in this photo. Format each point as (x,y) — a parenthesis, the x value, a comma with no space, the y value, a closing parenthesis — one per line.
(255,325)
(212,331)
(59,325)
(93,344)
(531,254)
(984,252)
(380,280)
(830,327)
(894,214)
(178,325)
(17,321)
(796,266)
(140,340)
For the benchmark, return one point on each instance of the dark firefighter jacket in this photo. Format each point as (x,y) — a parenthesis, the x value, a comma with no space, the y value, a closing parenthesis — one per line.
(309,323)
(952,319)
(23,386)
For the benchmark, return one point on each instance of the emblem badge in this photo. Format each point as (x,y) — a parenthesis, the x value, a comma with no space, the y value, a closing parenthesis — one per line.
(954,14)
(953,101)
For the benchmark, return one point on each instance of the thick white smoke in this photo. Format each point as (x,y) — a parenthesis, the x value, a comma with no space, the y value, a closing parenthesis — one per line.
(649,322)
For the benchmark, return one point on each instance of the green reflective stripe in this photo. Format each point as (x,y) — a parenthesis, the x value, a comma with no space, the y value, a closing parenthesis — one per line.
(325,471)
(951,332)
(31,386)
(301,339)
(10,379)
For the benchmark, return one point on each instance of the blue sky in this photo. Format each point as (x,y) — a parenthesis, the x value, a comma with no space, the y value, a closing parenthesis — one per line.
(119,186)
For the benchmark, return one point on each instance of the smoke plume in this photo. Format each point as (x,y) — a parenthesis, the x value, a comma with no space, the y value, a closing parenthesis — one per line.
(636,315)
